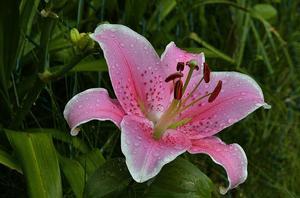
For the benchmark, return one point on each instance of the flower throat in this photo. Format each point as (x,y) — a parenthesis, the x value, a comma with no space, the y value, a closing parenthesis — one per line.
(179,103)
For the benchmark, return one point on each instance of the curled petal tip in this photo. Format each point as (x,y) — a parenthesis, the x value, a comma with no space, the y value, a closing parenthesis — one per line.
(75,131)
(266,106)
(92,36)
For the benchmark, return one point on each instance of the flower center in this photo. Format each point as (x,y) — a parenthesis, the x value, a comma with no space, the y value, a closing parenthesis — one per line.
(179,103)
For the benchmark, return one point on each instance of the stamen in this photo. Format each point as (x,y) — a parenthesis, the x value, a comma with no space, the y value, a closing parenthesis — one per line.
(206,72)
(178,89)
(215,92)
(180,66)
(174,76)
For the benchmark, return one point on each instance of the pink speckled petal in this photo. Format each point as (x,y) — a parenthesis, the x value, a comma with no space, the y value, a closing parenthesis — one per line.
(92,104)
(135,70)
(172,55)
(145,156)
(240,96)
(232,157)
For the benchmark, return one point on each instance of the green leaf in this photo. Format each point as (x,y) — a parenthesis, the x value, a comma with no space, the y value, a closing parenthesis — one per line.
(266,11)
(37,157)
(77,171)
(74,173)
(9,161)
(91,160)
(180,179)
(108,180)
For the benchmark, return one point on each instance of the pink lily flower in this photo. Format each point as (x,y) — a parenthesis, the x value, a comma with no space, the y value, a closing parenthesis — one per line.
(166,106)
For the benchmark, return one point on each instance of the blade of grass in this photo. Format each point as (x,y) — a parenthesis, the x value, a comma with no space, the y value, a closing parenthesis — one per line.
(220,54)
(261,47)
(242,43)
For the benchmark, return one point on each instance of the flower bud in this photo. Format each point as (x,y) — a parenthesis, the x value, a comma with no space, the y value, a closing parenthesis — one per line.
(74,35)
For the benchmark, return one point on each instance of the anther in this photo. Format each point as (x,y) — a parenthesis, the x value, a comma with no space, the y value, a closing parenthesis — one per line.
(215,92)
(206,72)
(180,66)
(178,89)
(174,76)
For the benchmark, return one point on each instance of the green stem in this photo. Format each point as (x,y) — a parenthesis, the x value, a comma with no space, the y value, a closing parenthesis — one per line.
(190,95)
(188,78)
(194,102)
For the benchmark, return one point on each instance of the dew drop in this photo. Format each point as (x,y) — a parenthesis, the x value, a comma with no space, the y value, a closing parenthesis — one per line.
(136,144)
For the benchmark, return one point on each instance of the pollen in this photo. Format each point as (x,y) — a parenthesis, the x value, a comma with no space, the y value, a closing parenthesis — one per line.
(206,72)
(180,66)
(178,89)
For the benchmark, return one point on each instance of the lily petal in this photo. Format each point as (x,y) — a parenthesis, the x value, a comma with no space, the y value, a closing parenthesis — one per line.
(92,104)
(172,55)
(232,157)
(146,156)
(135,70)
(240,95)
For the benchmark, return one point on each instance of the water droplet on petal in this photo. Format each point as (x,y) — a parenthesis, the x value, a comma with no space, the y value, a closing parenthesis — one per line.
(156,154)
(136,144)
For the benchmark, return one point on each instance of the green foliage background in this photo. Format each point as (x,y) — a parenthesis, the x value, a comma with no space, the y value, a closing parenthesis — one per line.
(41,70)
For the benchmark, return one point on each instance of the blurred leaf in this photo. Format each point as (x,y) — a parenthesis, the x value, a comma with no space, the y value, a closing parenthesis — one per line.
(28,9)
(180,179)
(266,11)
(90,66)
(217,52)
(109,179)
(9,39)
(74,173)
(261,47)
(163,8)
(91,161)
(9,161)
(37,157)
(134,12)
